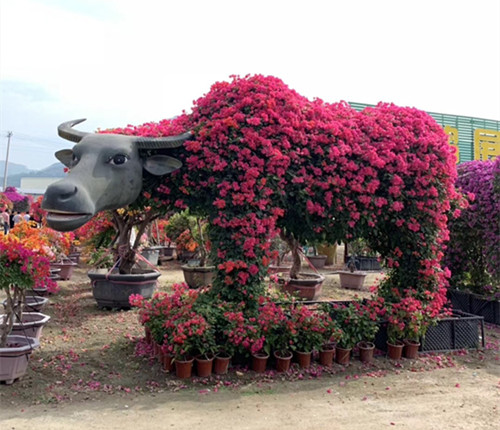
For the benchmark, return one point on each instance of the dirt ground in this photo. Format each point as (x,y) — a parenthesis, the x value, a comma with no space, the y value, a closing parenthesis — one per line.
(91,372)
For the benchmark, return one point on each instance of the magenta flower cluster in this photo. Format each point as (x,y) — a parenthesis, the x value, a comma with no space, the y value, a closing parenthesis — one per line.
(473,253)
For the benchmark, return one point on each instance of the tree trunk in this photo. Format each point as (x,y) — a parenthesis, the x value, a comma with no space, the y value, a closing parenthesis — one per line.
(203,249)
(294,246)
(126,250)
(15,301)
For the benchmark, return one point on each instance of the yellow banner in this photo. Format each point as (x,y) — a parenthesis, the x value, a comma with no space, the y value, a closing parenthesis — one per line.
(452,133)
(486,144)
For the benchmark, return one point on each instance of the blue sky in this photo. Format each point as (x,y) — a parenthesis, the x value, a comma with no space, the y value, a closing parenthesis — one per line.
(119,62)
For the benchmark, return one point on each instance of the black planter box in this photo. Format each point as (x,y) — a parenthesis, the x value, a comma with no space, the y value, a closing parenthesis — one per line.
(476,304)
(366,263)
(458,331)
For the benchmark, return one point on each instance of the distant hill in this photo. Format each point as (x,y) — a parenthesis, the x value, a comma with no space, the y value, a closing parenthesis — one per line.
(14,168)
(55,170)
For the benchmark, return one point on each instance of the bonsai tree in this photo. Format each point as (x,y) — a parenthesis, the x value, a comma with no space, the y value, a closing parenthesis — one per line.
(114,236)
(120,230)
(125,220)
(97,238)
(158,233)
(189,232)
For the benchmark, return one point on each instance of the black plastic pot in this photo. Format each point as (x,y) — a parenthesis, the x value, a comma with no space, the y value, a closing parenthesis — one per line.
(112,290)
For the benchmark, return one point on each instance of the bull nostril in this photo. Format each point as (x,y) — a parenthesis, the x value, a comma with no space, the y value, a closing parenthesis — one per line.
(68,194)
(62,191)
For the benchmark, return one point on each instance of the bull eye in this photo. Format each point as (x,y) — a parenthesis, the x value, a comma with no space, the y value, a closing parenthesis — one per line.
(74,161)
(118,159)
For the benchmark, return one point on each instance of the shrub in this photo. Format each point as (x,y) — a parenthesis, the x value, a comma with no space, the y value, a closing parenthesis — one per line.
(472,254)
(23,265)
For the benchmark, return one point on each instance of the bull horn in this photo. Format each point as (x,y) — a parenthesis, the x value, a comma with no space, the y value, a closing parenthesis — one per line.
(66,131)
(162,142)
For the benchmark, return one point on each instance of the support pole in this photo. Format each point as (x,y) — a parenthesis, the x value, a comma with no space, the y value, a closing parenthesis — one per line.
(9,135)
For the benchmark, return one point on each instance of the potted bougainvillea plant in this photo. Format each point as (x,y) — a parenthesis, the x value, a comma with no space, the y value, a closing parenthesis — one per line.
(23,266)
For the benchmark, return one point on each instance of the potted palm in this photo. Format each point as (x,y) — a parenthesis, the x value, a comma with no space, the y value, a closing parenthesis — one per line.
(21,267)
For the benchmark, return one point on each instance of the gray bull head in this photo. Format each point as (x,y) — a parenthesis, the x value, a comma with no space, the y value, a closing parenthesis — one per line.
(105,173)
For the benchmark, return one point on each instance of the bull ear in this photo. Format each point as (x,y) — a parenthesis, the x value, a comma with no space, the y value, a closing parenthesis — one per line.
(65,156)
(160,165)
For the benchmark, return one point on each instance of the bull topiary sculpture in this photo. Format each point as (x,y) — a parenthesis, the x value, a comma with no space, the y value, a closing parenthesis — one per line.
(257,158)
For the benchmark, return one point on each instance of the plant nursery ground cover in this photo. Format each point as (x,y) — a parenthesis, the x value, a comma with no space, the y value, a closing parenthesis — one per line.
(89,373)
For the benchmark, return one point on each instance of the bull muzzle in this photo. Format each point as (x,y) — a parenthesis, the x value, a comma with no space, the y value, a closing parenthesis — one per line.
(67,206)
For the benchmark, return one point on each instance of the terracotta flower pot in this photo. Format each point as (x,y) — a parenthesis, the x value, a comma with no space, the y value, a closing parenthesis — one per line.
(259,362)
(166,360)
(183,368)
(303,358)
(342,355)
(283,360)
(156,350)
(410,349)
(327,355)
(204,366)
(395,351)
(221,364)
(366,350)
(147,335)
